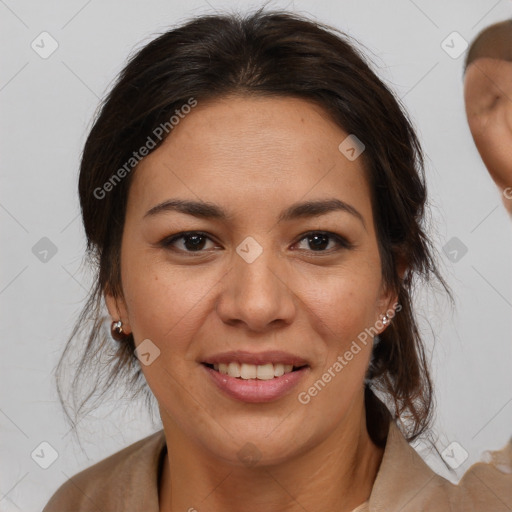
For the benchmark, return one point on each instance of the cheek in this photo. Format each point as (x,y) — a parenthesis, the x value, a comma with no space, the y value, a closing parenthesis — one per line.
(167,306)
(164,302)
(344,304)
(344,314)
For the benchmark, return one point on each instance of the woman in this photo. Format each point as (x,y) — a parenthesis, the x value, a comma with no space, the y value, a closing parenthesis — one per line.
(253,195)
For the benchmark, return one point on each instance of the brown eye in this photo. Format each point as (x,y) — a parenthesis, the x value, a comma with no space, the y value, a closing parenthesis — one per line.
(193,241)
(318,241)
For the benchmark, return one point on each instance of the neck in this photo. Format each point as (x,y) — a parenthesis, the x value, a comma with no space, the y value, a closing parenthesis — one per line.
(337,474)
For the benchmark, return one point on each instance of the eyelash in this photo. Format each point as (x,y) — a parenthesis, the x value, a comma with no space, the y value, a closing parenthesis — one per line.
(342,242)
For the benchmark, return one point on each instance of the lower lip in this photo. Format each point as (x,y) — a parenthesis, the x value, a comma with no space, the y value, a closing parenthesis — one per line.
(256,390)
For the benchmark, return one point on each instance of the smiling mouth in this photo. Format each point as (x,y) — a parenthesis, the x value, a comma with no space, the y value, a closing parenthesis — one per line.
(252,371)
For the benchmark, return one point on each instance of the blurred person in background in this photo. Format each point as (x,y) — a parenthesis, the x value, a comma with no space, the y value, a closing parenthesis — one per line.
(488,100)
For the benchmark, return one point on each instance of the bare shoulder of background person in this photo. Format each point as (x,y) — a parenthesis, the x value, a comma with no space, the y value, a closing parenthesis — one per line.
(490,481)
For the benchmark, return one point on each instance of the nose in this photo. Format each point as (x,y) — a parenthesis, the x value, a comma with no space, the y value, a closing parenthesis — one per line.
(257,294)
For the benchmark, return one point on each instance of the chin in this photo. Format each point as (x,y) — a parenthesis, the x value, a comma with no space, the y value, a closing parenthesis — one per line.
(259,446)
(256,453)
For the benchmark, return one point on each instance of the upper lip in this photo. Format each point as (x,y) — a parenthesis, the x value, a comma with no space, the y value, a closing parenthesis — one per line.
(257,358)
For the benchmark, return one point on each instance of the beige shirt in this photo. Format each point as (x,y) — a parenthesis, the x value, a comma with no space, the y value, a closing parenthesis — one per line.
(127,481)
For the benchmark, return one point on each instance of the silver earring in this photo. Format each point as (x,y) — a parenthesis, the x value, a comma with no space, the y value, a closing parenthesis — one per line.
(385,320)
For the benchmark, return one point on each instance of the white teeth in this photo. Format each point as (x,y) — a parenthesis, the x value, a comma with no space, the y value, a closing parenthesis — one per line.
(265,371)
(234,369)
(248,371)
(278,370)
(251,371)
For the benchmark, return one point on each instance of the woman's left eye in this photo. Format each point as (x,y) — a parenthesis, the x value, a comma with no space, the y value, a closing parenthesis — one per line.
(318,241)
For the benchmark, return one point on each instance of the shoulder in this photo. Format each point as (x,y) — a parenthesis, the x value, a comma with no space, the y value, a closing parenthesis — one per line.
(488,485)
(126,480)
(405,482)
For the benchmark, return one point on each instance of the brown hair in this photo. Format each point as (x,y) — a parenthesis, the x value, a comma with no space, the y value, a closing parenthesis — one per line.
(493,42)
(273,54)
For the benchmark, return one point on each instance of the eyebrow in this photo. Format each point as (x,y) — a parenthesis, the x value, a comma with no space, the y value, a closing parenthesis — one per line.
(205,210)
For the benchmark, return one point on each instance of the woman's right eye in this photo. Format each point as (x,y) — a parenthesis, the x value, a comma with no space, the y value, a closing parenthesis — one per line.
(192,241)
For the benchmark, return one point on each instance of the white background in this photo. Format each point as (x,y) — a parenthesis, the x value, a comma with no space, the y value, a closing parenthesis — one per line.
(47,107)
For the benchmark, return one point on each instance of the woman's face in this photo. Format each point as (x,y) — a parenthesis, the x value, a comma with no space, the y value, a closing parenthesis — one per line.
(258,277)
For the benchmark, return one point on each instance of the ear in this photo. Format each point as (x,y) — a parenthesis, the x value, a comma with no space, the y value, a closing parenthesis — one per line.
(117,309)
(388,301)
(401,269)
(387,305)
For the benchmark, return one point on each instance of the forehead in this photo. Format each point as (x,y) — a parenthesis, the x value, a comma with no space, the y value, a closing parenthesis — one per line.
(253,149)
(487,70)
